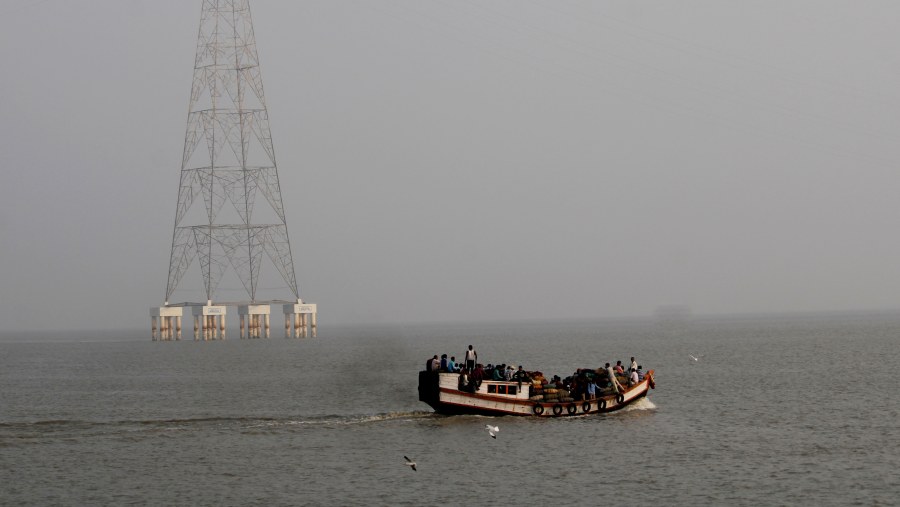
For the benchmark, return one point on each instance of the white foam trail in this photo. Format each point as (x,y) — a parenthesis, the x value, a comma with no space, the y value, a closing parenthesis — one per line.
(337,420)
(641,404)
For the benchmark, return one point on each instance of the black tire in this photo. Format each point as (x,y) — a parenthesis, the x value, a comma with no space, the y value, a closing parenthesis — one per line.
(586,407)
(572,409)
(557,409)
(620,399)
(601,405)
(538,409)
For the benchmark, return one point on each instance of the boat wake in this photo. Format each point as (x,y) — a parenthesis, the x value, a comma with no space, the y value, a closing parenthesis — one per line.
(343,420)
(65,427)
(641,404)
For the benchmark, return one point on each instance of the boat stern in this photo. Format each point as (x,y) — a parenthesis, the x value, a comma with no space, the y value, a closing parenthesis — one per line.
(429,388)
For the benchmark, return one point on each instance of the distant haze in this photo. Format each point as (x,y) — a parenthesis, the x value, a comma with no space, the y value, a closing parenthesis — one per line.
(475,160)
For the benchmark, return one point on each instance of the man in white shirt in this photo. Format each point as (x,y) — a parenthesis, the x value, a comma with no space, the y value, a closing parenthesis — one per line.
(471,358)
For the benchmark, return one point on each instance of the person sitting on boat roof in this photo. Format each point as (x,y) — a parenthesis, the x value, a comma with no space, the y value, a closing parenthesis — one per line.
(451,364)
(432,364)
(476,376)
(508,374)
(497,374)
(443,362)
(463,383)
(633,378)
(521,375)
(612,379)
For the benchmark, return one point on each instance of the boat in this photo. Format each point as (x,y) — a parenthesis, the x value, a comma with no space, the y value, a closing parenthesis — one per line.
(500,397)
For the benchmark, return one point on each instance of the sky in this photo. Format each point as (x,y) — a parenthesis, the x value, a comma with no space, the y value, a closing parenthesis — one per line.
(463,160)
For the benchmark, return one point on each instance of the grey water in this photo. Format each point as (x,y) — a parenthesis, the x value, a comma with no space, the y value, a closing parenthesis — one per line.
(785,410)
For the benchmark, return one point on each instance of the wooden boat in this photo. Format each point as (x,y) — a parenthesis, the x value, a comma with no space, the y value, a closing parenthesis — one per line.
(498,397)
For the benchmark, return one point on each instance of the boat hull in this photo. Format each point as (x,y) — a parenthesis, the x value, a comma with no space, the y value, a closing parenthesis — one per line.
(446,399)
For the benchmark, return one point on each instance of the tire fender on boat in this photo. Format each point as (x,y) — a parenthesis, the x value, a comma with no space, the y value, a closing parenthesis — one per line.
(586,407)
(538,409)
(601,405)
(557,409)
(572,409)
(620,398)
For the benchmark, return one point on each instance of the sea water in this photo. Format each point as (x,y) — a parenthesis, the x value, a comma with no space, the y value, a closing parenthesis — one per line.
(791,410)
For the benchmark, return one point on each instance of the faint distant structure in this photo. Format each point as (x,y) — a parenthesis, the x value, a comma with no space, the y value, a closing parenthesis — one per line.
(229,217)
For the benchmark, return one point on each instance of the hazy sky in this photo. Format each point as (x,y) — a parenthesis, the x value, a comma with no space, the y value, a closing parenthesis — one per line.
(462,159)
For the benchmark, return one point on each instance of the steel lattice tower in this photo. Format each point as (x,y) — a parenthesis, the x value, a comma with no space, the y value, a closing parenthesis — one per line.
(228,159)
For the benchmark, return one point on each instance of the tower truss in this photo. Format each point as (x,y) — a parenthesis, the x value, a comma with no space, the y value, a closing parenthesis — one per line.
(229,214)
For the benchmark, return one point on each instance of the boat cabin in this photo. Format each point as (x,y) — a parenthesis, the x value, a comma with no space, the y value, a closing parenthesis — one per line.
(501,388)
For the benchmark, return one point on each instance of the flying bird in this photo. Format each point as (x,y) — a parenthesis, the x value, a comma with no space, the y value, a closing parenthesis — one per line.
(696,358)
(493,430)
(410,463)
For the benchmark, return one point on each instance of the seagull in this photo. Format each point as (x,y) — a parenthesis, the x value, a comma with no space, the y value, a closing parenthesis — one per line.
(696,358)
(410,463)
(493,430)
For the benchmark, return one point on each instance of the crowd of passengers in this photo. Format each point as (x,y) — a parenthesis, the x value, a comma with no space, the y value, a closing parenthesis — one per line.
(584,384)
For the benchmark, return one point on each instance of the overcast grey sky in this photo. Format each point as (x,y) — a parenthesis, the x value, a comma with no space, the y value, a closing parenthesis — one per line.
(483,160)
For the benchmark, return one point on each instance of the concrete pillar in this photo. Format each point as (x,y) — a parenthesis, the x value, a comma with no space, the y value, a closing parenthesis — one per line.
(253,316)
(267,327)
(178,328)
(153,327)
(242,327)
(314,324)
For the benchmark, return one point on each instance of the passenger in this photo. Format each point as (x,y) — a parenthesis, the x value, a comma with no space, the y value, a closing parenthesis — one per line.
(476,377)
(471,358)
(463,384)
(612,379)
(443,362)
(451,365)
(591,390)
(521,375)
(640,372)
(620,370)
(497,373)
(633,379)
(576,388)
(435,363)
(429,364)
(508,375)
(633,366)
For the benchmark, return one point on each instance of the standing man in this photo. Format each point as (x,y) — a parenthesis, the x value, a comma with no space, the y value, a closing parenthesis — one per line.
(471,358)
(612,379)
(633,366)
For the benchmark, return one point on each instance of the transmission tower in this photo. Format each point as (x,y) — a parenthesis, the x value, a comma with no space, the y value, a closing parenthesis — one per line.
(228,163)
(227,126)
